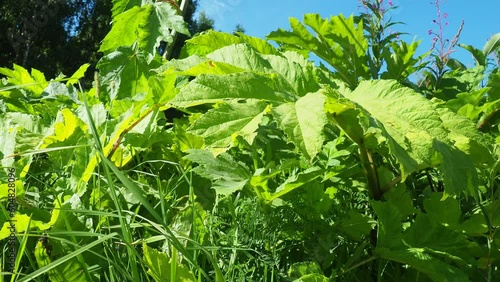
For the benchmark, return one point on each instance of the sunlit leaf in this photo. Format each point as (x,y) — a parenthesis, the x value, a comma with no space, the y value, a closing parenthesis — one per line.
(227,174)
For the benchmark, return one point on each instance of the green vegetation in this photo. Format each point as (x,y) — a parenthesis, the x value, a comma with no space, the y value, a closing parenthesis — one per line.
(59,36)
(378,165)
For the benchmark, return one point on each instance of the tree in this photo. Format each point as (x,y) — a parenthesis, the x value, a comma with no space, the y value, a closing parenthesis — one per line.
(56,36)
(239,28)
(59,36)
(204,23)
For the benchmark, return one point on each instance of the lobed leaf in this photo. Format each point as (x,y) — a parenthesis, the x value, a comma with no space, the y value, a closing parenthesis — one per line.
(303,122)
(228,175)
(418,133)
(147,24)
(219,126)
(210,89)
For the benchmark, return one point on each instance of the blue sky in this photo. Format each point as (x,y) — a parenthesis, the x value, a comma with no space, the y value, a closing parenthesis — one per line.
(260,17)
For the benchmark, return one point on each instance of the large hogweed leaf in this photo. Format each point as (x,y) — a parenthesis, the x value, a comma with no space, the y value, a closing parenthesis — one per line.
(434,239)
(127,80)
(12,125)
(221,125)
(19,76)
(296,70)
(465,136)
(286,82)
(295,73)
(416,132)
(148,25)
(303,122)
(227,174)
(338,41)
(293,182)
(211,89)
(210,41)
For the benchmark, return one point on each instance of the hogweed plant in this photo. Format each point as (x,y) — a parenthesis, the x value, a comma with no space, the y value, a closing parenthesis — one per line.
(280,170)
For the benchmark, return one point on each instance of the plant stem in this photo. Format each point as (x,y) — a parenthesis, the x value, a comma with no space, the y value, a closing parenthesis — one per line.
(370,171)
(127,130)
(359,264)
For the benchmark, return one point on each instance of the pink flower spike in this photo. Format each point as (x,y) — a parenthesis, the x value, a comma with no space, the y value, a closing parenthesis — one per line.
(445,15)
(430,31)
(390,3)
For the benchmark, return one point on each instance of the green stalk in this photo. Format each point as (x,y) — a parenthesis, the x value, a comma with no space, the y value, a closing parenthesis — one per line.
(173,265)
(370,171)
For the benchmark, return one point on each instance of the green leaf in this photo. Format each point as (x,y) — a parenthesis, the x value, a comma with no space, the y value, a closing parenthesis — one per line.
(159,265)
(296,72)
(259,44)
(208,42)
(389,225)
(494,85)
(161,22)
(491,45)
(478,55)
(401,199)
(212,40)
(300,270)
(185,140)
(242,56)
(294,182)
(338,41)
(125,73)
(126,28)
(303,122)
(356,225)
(78,74)
(419,259)
(148,25)
(228,175)
(466,137)
(11,124)
(120,6)
(347,117)
(446,212)
(19,76)
(459,173)
(162,88)
(211,67)
(221,125)
(69,270)
(416,132)
(209,89)
(400,63)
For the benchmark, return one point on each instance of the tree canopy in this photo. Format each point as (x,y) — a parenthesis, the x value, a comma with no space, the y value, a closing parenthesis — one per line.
(59,36)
